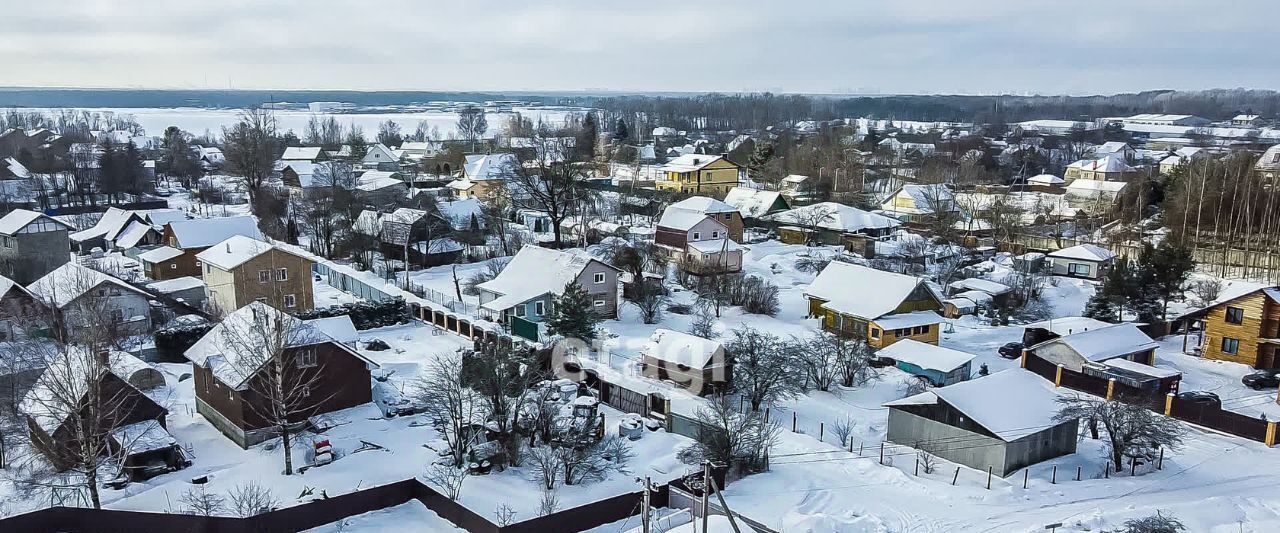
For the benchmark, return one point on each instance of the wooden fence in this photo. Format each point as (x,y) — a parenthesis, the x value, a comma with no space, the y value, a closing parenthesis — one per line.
(325,511)
(1263,265)
(1212,417)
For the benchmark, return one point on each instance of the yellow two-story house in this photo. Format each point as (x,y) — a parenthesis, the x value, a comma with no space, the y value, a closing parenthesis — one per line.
(1242,329)
(881,307)
(710,175)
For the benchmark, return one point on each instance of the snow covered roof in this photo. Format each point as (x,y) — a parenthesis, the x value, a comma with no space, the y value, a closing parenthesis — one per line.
(133,234)
(1086,252)
(680,219)
(861,291)
(689,163)
(978,284)
(202,232)
(681,348)
(705,205)
(1107,164)
(488,167)
(65,380)
(70,281)
(1011,404)
(438,246)
(1069,324)
(111,223)
(1045,179)
(142,437)
(1111,147)
(163,253)
(16,169)
(17,219)
(664,131)
(908,320)
(795,178)
(233,252)
(237,347)
(176,284)
(533,272)
(1146,370)
(339,328)
(374,180)
(925,198)
(925,355)
(369,222)
(834,216)
(1106,343)
(714,246)
(301,153)
(752,203)
(1090,187)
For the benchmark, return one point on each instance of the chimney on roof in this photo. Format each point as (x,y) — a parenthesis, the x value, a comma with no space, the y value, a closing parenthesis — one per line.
(228,247)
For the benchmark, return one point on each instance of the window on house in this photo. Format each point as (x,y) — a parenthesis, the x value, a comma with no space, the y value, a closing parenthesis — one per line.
(1235,315)
(290,301)
(207,269)
(173,266)
(697,235)
(306,391)
(599,303)
(875,333)
(199,263)
(282,274)
(264,276)
(539,308)
(1078,269)
(728,216)
(1230,345)
(261,299)
(715,234)
(520,310)
(307,358)
(599,277)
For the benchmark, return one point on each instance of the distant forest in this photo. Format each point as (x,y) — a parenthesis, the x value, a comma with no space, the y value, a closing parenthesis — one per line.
(714,110)
(746,111)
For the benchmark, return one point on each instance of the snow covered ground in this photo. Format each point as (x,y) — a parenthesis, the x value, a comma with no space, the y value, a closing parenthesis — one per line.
(408,516)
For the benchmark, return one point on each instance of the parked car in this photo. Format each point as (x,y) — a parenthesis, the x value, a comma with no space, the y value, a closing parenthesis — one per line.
(1264,379)
(1011,350)
(1201,397)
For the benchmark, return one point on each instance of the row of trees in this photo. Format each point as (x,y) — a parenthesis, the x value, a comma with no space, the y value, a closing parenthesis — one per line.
(1143,287)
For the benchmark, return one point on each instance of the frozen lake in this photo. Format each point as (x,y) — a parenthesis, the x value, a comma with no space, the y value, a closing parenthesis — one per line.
(199,120)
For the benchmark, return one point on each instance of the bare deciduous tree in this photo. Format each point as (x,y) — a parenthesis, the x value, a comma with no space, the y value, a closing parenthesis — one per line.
(251,498)
(725,436)
(550,181)
(455,408)
(764,370)
(447,477)
(1133,432)
(250,148)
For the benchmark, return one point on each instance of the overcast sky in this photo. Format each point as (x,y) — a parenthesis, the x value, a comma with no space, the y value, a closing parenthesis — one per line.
(890,46)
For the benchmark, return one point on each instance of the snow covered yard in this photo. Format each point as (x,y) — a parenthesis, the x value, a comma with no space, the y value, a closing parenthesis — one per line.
(408,516)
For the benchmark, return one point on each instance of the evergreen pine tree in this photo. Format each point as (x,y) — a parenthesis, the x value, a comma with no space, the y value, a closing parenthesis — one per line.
(762,154)
(572,314)
(587,140)
(1099,307)
(620,130)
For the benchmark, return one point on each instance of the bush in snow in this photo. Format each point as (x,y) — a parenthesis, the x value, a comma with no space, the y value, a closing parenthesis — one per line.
(726,436)
(704,322)
(200,502)
(251,498)
(1153,524)
(490,271)
(447,478)
(549,502)
(365,315)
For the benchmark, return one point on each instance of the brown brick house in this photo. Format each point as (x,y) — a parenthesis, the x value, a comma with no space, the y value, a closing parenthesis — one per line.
(192,237)
(1242,329)
(231,365)
(241,270)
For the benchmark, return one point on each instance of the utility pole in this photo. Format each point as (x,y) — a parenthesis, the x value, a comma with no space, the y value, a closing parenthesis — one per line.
(706,491)
(727,511)
(644,517)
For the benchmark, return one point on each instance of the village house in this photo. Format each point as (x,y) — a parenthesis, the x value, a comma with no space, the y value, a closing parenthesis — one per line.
(241,270)
(1105,168)
(419,150)
(699,174)
(1088,261)
(121,229)
(830,223)
(131,426)
(1241,329)
(1246,120)
(482,175)
(919,203)
(693,363)
(798,188)
(231,362)
(189,290)
(379,157)
(882,307)
(522,294)
(1268,165)
(1038,332)
(697,235)
(1046,183)
(1099,345)
(76,293)
(974,423)
(424,238)
(755,203)
(307,154)
(1091,196)
(19,309)
(940,366)
(32,245)
(189,238)
(1118,149)
(381,187)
